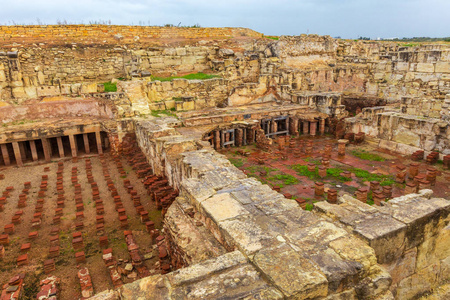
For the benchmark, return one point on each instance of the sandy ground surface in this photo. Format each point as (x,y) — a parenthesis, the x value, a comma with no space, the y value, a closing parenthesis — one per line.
(304,186)
(66,267)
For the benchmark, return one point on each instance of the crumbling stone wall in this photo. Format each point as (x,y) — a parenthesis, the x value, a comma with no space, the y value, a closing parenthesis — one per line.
(410,236)
(345,251)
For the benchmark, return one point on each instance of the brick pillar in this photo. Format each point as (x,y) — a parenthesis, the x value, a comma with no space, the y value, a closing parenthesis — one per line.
(238,140)
(17,153)
(313,128)
(5,154)
(99,142)
(305,127)
(322,126)
(341,147)
(86,143)
(33,150)
(73,145)
(46,148)
(293,126)
(60,146)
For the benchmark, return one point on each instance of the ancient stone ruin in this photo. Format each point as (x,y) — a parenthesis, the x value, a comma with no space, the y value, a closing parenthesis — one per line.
(216,163)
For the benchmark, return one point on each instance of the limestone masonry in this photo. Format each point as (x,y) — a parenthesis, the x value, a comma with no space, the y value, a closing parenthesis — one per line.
(189,168)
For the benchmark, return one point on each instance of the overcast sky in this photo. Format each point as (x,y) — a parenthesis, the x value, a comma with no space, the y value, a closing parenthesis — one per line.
(345,18)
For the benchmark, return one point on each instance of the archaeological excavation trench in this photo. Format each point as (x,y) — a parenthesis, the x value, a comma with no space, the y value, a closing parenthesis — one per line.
(215,163)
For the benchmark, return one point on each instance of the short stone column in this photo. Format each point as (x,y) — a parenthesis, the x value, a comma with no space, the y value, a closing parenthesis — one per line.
(361,194)
(341,147)
(318,188)
(378,197)
(332,196)
(413,169)
(313,128)
(322,171)
(410,188)
(374,186)
(5,154)
(17,153)
(305,127)
(401,174)
(322,126)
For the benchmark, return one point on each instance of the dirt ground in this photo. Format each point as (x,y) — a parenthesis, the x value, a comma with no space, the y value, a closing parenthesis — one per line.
(66,267)
(282,173)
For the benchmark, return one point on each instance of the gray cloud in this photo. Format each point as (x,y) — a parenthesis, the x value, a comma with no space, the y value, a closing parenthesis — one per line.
(346,18)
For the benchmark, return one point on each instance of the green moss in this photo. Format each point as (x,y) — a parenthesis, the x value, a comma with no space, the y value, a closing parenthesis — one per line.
(110,87)
(276,38)
(193,76)
(367,176)
(287,179)
(303,171)
(237,162)
(336,174)
(309,206)
(363,154)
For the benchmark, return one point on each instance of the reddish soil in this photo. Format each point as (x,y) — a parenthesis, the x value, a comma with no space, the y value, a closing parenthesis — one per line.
(250,164)
(66,267)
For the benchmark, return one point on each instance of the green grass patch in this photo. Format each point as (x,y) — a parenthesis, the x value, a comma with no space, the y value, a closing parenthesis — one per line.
(303,171)
(287,179)
(253,169)
(276,38)
(193,76)
(336,174)
(167,112)
(312,160)
(237,162)
(110,87)
(309,206)
(367,176)
(363,154)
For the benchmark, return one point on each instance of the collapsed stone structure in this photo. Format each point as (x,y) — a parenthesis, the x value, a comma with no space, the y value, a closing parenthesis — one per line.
(228,235)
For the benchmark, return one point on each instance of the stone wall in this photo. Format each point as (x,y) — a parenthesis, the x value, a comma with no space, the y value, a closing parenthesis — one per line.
(402,133)
(345,251)
(57,108)
(98,32)
(409,234)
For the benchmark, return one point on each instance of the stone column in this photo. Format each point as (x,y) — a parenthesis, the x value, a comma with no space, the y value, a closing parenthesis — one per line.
(341,147)
(73,145)
(33,150)
(293,126)
(239,138)
(313,128)
(46,148)
(305,127)
(60,146)
(99,142)
(274,127)
(322,126)
(86,143)
(217,139)
(5,154)
(17,153)
(23,153)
